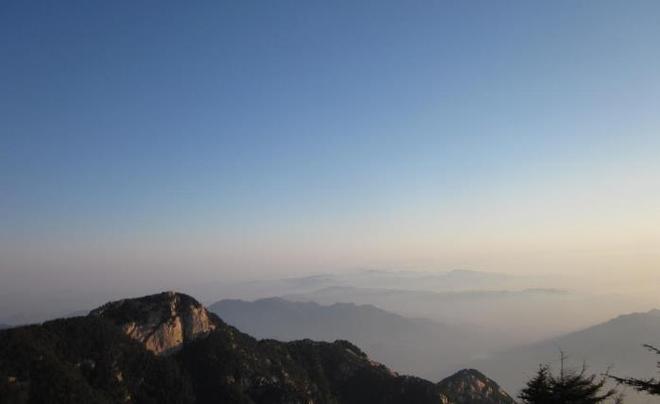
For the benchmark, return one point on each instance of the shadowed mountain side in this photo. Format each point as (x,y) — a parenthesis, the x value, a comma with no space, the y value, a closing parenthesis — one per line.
(417,346)
(101,359)
(614,345)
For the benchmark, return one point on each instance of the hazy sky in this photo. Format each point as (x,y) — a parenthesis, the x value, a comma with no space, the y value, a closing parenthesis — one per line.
(235,139)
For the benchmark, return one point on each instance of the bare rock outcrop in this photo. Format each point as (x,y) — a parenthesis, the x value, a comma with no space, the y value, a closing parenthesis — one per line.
(108,357)
(471,386)
(162,322)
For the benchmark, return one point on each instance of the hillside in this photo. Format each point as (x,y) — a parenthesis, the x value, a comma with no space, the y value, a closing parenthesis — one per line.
(417,346)
(167,348)
(470,386)
(505,314)
(614,345)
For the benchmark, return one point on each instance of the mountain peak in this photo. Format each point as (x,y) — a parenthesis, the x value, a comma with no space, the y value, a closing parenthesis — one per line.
(162,322)
(202,359)
(470,385)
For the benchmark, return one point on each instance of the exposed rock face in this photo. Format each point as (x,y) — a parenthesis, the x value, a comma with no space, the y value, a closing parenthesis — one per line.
(471,386)
(162,322)
(116,354)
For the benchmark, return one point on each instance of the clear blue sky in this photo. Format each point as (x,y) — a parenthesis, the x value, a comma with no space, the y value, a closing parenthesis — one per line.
(284,136)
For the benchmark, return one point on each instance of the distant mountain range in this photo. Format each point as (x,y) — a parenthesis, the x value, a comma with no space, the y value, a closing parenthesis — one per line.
(417,346)
(504,314)
(615,345)
(456,280)
(167,348)
(459,279)
(480,298)
(425,347)
(64,302)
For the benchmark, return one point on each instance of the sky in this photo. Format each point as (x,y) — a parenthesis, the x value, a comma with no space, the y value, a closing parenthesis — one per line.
(171,142)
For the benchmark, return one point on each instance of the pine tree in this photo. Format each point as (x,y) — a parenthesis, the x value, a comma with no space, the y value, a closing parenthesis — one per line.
(538,390)
(570,387)
(649,386)
(580,388)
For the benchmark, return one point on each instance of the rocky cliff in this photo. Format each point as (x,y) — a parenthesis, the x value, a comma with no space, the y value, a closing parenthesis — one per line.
(471,386)
(162,322)
(167,348)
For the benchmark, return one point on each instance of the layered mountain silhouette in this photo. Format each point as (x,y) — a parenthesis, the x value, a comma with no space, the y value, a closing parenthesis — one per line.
(417,346)
(614,346)
(456,280)
(505,314)
(167,348)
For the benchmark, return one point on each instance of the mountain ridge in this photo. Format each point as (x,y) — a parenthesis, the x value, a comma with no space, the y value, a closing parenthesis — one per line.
(418,346)
(613,346)
(164,321)
(100,358)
